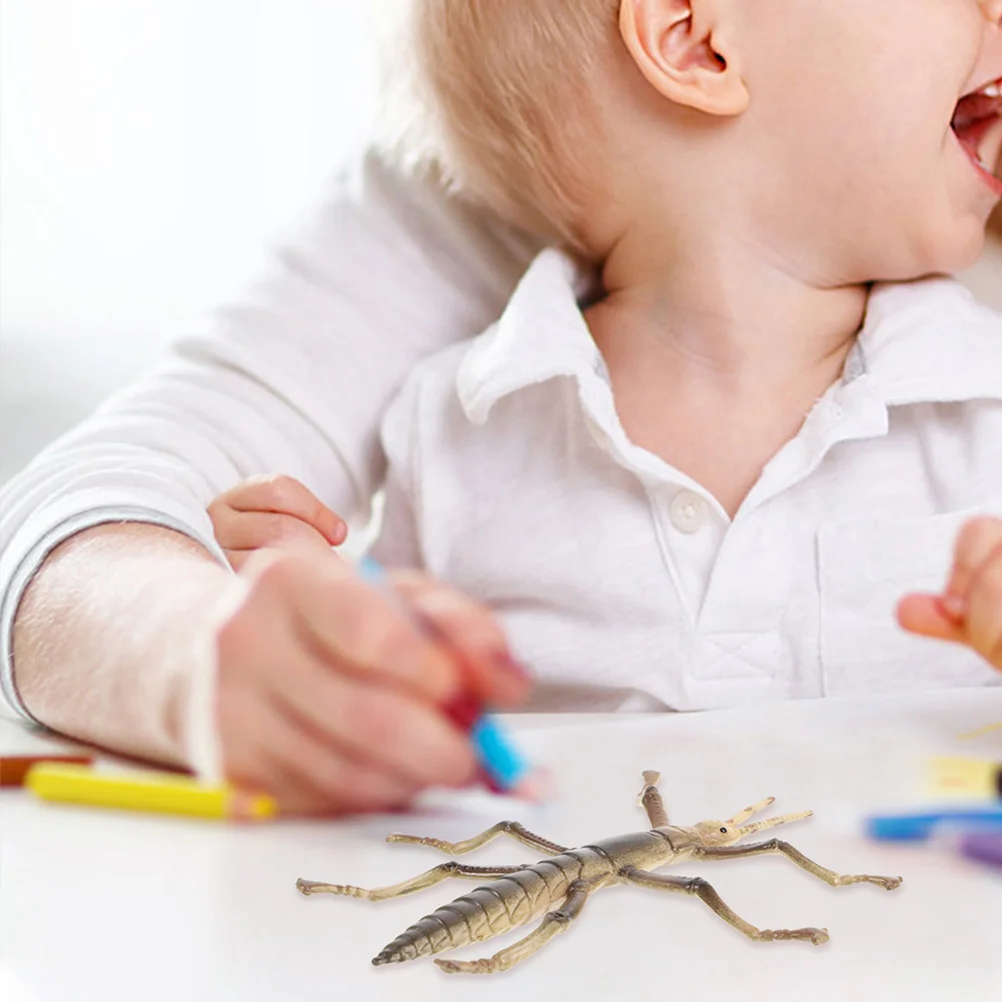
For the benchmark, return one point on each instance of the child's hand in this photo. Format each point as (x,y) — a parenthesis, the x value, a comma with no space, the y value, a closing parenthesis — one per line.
(330,698)
(970,610)
(274,513)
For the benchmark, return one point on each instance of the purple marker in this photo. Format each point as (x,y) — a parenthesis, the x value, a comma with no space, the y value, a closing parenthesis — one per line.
(982,847)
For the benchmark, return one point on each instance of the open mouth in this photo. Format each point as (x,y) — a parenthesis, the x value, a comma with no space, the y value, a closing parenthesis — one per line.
(977,124)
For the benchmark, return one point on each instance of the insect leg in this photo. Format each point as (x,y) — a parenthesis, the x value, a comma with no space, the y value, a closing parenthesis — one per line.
(705,892)
(821,872)
(553,923)
(511,828)
(650,800)
(433,876)
(742,816)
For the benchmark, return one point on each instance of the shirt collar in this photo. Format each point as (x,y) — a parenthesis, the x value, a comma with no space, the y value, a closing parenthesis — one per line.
(929,341)
(541,335)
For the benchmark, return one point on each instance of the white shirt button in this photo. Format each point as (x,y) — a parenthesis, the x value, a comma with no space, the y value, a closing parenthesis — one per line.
(688,512)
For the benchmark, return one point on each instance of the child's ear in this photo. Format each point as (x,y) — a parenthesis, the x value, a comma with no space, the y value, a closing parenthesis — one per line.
(683,50)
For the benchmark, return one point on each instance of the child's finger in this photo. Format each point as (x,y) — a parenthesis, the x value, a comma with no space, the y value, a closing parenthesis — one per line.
(977,542)
(926,616)
(983,623)
(473,631)
(270,752)
(380,727)
(258,530)
(286,495)
(352,625)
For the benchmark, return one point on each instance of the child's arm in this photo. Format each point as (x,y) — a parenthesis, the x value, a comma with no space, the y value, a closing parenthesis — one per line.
(107,617)
(970,610)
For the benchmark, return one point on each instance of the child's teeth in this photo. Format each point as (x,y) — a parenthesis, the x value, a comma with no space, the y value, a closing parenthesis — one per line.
(993,90)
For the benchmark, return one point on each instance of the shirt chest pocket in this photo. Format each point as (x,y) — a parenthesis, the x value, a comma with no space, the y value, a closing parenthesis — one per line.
(865,568)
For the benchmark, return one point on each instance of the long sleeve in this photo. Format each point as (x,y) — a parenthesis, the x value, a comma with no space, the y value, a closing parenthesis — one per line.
(295,379)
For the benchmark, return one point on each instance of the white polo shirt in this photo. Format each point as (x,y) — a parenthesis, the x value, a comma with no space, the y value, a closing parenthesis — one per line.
(624,584)
(296,377)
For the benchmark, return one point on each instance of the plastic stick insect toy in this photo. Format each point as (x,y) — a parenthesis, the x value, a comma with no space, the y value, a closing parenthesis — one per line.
(569,876)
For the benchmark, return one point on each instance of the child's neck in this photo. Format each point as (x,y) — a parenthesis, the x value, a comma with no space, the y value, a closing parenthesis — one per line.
(716,353)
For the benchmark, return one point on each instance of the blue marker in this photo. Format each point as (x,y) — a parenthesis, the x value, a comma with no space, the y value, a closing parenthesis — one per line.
(507,771)
(921,827)
(497,756)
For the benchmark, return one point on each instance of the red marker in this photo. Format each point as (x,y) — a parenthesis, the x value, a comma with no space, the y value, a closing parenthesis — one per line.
(464,711)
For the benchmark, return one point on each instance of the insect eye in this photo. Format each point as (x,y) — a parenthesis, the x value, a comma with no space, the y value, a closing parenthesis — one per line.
(723,831)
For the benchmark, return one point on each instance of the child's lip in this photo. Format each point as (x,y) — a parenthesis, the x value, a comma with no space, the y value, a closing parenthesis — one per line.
(993,182)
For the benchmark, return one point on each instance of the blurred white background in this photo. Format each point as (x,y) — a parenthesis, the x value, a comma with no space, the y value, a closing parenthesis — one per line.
(149,153)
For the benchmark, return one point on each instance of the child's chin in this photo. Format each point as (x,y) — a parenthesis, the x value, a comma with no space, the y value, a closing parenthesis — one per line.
(959,250)
(943,258)
(974,250)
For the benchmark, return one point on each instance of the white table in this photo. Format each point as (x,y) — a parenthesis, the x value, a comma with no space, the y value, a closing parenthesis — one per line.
(112,906)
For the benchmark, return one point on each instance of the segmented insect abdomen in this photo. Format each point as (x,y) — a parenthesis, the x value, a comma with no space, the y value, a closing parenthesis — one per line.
(486,911)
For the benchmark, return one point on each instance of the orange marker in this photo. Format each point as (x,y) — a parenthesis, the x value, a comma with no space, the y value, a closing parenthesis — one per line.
(14,768)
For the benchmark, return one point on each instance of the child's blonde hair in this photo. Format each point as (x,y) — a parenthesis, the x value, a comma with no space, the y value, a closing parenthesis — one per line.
(503,101)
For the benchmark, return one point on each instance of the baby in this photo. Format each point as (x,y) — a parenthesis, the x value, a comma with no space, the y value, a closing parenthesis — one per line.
(734,413)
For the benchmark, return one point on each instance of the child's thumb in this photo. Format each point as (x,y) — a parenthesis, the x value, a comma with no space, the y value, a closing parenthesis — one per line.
(927,616)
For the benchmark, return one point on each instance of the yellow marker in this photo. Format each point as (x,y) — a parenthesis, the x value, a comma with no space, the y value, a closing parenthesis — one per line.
(967,777)
(151,792)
